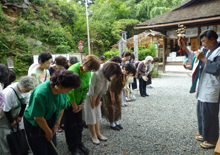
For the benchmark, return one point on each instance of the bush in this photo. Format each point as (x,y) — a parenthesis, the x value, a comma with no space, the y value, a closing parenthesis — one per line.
(21,43)
(63,49)
(110,54)
(3,19)
(22,63)
(149,51)
(142,53)
(4,44)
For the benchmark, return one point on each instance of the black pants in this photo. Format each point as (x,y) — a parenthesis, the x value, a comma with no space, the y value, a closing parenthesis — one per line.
(208,121)
(39,144)
(62,121)
(149,79)
(142,86)
(73,128)
(134,84)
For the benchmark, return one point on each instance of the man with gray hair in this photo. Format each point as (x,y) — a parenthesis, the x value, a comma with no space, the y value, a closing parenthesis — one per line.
(208,87)
(16,97)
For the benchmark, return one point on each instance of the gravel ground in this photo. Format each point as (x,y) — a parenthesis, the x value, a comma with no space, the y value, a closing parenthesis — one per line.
(162,123)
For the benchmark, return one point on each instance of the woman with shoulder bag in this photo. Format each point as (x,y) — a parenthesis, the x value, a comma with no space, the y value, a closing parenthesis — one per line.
(16,98)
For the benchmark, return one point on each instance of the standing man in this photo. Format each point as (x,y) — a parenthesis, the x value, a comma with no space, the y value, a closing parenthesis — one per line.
(208,88)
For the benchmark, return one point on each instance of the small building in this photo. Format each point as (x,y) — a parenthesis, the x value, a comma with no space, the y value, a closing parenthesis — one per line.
(146,38)
(196,15)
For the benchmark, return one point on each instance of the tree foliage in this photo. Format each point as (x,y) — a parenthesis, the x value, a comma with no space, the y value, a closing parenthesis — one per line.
(58,25)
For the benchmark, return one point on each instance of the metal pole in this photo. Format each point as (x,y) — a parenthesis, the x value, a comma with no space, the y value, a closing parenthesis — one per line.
(87,28)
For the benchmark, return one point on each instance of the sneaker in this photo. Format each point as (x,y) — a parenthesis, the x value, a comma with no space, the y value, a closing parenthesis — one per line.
(150,87)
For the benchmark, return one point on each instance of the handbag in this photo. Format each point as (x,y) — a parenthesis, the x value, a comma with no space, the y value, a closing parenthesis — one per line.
(145,78)
(17,141)
(130,79)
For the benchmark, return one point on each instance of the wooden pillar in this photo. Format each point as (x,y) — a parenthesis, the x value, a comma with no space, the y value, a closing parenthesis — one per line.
(157,47)
(164,52)
(215,28)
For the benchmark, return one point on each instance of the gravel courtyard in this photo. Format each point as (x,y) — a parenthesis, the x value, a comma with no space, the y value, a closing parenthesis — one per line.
(162,123)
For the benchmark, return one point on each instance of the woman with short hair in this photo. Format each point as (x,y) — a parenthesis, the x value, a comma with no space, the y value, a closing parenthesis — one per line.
(143,71)
(47,103)
(40,71)
(16,98)
(73,113)
(59,64)
(98,86)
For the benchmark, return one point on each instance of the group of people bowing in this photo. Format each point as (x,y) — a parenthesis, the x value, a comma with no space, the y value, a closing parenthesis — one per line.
(64,95)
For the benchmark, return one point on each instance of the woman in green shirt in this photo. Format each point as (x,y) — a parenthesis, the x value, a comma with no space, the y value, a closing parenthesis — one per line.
(45,110)
(73,113)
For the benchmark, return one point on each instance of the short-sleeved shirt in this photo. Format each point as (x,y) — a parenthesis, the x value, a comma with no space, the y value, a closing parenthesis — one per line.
(44,103)
(40,76)
(80,92)
(11,99)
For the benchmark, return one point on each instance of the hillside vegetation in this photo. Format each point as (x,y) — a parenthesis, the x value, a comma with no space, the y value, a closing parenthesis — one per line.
(56,26)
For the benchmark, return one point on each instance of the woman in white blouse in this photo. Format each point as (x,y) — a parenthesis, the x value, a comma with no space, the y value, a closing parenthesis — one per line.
(97,87)
(16,98)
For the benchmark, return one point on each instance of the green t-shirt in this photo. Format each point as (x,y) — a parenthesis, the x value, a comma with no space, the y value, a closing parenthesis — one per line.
(80,92)
(43,103)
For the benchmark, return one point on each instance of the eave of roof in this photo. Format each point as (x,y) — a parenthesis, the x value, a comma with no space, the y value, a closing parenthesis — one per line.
(186,12)
(180,22)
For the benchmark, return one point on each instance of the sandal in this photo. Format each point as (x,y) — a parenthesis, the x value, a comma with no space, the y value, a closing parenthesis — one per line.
(200,138)
(207,145)
(196,134)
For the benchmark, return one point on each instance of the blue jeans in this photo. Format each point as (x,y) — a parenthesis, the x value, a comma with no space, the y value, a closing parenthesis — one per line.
(39,144)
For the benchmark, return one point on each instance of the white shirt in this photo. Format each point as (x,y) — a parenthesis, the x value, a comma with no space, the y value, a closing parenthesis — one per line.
(98,84)
(11,99)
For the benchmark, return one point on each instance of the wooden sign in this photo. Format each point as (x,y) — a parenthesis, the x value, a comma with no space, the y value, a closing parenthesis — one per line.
(80,46)
(194,44)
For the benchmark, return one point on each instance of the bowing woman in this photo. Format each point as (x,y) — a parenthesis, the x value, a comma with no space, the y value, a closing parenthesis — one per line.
(16,97)
(97,87)
(112,99)
(74,122)
(47,103)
